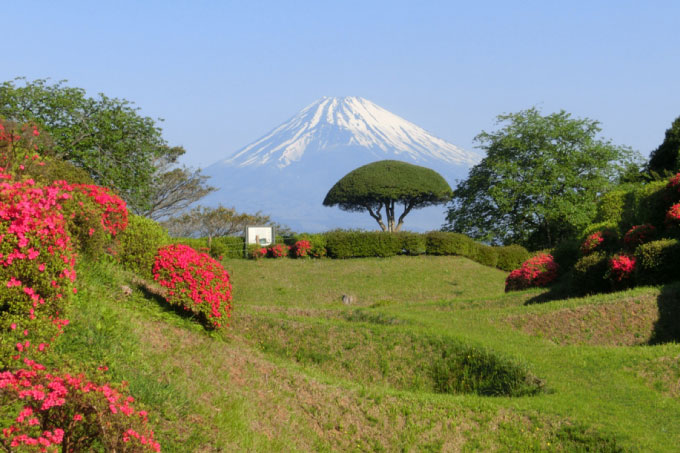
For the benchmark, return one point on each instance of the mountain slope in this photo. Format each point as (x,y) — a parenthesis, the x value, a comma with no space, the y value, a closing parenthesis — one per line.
(287,172)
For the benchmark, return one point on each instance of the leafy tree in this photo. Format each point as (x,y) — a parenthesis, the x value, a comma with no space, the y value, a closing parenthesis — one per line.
(666,158)
(207,222)
(385,183)
(175,188)
(105,136)
(539,181)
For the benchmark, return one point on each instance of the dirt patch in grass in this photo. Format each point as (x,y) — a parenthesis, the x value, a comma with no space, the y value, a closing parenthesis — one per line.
(662,374)
(625,322)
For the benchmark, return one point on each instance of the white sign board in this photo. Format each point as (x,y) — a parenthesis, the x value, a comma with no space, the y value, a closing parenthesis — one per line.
(262,235)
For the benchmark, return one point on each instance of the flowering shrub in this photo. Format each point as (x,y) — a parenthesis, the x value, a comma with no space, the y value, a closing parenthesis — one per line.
(639,234)
(258,252)
(136,246)
(593,242)
(540,270)
(195,282)
(621,267)
(673,214)
(36,267)
(64,412)
(301,249)
(278,251)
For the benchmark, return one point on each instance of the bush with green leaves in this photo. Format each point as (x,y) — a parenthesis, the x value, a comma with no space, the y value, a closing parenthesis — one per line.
(444,243)
(657,261)
(317,242)
(362,244)
(136,246)
(510,257)
(566,253)
(227,247)
(589,273)
(413,244)
(484,254)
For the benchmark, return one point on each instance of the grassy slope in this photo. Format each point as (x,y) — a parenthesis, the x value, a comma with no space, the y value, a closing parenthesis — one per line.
(335,379)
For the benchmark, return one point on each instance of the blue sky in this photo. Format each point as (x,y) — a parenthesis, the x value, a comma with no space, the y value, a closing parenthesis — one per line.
(223,73)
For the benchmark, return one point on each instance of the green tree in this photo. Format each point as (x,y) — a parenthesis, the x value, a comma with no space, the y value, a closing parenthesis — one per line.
(666,158)
(385,183)
(539,181)
(105,136)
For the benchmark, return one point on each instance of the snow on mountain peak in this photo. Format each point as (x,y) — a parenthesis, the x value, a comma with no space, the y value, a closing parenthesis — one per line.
(332,123)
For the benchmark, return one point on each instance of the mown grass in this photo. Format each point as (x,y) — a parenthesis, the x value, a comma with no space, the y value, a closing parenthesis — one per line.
(297,370)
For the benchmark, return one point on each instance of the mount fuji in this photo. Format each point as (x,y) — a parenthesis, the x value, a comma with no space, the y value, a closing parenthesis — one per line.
(287,173)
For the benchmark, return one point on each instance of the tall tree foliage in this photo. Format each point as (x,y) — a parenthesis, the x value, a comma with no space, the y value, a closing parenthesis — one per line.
(666,158)
(539,181)
(105,136)
(384,184)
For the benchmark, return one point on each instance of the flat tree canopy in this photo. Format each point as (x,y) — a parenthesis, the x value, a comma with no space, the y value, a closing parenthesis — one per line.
(385,183)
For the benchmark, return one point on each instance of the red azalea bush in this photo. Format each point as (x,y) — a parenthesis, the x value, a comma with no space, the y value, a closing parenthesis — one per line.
(278,251)
(36,267)
(258,252)
(301,249)
(639,234)
(594,241)
(65,412)
(674,183)
(673,214)
(195,282)
(621,267)
(540,270)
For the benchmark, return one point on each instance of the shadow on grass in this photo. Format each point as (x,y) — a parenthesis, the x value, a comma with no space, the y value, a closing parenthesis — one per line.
(667,327)
(563,289)
(157,294)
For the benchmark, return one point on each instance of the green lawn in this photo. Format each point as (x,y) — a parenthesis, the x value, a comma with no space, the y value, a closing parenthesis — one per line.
(408,366)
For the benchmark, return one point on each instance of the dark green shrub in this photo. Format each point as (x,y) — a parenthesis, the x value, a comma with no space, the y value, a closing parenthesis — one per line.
(137,244)
(412,243)
(566,253)
(511,257)
(484,254)
(658,261)
(361,244)
(589,273)
(227,247)
(443,243)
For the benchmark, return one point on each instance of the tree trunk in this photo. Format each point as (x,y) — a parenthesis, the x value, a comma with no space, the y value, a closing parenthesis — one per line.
(407,208)
(377,216)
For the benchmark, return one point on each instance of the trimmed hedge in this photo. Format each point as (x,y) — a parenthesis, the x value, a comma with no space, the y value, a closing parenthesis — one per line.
(657,261)
(510,257)
(442,243)
(484,254)
(641,204)
(227,247)
(412,243)
(362,244)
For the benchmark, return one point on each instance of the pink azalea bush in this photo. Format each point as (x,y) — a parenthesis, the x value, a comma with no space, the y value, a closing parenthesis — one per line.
(540,270)
(621,267)
(195,282)
(639,234)
(301,248)
(278,251)
(594,242)
(52,411)
(36,267)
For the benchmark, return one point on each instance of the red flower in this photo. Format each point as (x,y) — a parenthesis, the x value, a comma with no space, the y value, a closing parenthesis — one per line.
(540,270)
(621,267)
(639,234)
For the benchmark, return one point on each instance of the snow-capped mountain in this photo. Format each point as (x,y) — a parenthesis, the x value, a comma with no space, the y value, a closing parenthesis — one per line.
(288,172)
